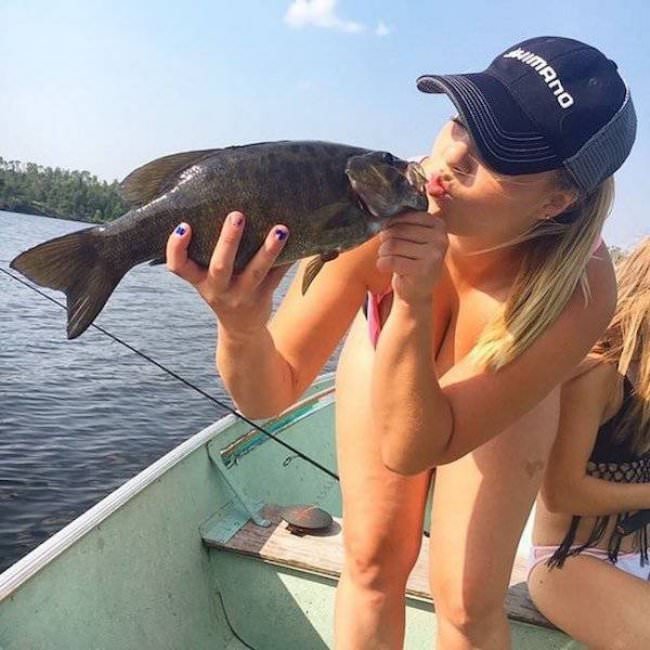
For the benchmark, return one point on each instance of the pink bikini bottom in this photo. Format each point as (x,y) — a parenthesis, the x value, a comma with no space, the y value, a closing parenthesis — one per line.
(628,562)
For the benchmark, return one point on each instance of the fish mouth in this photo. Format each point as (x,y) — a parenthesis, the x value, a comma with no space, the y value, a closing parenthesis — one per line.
(376,189)
(416,176)
(361,203)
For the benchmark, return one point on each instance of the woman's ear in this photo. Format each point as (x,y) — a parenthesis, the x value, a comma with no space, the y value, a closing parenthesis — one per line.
(557,202)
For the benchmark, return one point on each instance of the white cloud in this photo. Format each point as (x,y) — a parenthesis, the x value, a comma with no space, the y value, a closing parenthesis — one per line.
(382,29)
(319,13)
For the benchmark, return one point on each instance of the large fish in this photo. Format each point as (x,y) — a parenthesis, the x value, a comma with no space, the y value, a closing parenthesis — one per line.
(331,196)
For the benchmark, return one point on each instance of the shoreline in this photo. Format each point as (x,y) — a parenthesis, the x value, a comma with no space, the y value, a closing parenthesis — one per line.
(39,210)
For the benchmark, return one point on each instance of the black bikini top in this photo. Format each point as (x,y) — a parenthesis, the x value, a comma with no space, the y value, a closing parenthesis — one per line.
(606,450)
(612,461)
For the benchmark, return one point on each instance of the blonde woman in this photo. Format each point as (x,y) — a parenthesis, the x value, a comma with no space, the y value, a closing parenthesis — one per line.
(589,563)
(479,309)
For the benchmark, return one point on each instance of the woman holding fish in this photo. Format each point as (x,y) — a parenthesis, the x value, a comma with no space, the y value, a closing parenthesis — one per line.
(477,311)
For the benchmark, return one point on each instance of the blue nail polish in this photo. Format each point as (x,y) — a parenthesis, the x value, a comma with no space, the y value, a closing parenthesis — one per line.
(180,230)
(280,234)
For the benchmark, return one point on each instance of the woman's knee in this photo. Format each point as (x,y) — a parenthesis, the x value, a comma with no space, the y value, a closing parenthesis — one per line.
(469,606)
(380,563)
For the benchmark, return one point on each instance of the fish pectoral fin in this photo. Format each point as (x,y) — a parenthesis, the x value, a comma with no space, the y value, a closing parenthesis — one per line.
(147,182)
(314,266)
(311,271)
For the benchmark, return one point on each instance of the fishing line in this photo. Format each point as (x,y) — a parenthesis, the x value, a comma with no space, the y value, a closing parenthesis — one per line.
(184,381)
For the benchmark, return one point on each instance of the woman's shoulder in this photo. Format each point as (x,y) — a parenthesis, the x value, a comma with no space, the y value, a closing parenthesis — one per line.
(584,318)
(595,369)
(602,278)
(594,303)
(598,380)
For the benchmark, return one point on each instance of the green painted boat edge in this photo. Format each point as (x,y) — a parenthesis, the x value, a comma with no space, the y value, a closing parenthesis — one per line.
(253,437)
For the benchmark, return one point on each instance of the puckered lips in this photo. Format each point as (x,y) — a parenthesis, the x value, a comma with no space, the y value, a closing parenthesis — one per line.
(436,187)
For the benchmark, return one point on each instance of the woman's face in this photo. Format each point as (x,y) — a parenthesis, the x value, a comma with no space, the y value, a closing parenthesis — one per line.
(475,201)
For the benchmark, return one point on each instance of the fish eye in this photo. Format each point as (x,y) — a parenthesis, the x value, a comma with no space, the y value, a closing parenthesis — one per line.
(387,158)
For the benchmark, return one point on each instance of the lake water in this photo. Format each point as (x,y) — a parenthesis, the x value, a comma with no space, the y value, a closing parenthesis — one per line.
(79,418)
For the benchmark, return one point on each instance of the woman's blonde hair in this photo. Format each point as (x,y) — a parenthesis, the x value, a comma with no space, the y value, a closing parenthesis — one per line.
(627,341)
(556,254)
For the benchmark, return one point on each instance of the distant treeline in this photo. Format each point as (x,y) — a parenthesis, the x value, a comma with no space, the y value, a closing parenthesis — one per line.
(30,188)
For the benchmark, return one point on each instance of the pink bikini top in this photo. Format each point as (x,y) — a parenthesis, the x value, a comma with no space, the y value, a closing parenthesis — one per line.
(374,300)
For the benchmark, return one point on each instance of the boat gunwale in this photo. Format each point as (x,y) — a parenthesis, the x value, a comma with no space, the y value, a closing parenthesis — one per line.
(29,565)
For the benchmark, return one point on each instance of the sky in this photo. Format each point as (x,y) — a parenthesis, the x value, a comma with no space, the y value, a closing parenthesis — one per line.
(108,86)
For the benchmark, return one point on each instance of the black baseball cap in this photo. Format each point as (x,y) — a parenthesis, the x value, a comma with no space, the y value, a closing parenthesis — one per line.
(546,103)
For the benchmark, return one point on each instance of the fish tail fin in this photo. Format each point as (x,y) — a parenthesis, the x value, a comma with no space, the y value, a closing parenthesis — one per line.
(76,264)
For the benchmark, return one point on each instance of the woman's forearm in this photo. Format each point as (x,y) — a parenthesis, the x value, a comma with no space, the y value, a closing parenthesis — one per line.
(258,378)
(592,497)
(412,417)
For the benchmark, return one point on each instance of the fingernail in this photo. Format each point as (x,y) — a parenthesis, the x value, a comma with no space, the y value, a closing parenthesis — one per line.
(180,230)
(281,234)
(237,220)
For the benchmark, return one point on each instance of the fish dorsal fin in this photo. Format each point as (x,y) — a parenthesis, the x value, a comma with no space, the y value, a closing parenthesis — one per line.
(149,181)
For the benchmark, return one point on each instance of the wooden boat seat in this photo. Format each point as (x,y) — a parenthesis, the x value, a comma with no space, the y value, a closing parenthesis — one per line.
(322,554)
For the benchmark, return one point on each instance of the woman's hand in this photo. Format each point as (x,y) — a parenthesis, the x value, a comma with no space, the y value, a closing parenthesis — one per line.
(413,248)
(241,302)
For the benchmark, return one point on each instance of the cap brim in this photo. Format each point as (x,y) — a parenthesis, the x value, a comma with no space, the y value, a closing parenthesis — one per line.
(506,138)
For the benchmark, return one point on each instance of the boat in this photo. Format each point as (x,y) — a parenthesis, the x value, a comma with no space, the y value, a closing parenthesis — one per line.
(193,553)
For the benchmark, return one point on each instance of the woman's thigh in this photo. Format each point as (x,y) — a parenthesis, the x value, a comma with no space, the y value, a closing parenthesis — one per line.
(383,511)
(594,602)
(480,506)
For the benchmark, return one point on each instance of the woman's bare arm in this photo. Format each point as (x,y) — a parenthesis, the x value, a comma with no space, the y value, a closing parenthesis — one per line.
(567,488)
(267,371)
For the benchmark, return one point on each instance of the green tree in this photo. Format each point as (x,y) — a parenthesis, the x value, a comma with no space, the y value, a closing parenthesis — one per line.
(33,189)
